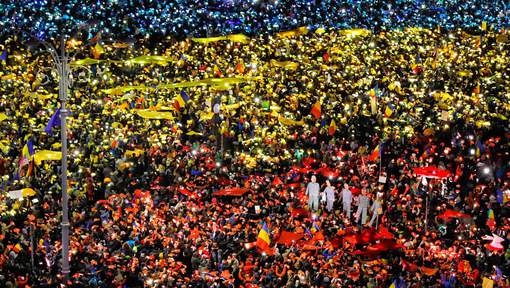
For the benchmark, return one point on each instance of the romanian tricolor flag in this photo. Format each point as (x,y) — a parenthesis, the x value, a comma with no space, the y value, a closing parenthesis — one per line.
(376,153)
(332,128)
(314,228)
(27,153)
(181,100)
(316,110)
(389,110)
(490,219)
(217,71)
(263,240)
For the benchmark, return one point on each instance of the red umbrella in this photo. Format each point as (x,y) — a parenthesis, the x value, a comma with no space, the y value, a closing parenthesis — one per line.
(453,214)
(432,172)
(231,192)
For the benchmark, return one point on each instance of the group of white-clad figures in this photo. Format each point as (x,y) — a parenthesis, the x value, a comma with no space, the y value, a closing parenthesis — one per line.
(328,196)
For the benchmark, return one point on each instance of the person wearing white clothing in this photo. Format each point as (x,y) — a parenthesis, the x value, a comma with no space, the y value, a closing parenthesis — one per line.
(329,192)
(346,197)
(376,210)
(312,190)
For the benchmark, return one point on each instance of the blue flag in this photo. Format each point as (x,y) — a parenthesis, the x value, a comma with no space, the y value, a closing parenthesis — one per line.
(499,194)
(54,122)
(184,96)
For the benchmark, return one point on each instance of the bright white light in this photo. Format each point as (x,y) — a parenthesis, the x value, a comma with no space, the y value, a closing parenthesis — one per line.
(257,100)
(486,170)
(472,151)
(218,164)
(194,152)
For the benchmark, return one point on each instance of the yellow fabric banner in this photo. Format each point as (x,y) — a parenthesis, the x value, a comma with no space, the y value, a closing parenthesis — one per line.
(290,122)
(193,133)
(156,115)
(44,155)
(295,32)
(285,64)
(241,38)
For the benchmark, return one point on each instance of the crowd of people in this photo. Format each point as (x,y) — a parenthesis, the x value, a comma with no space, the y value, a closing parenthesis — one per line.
(120,18)
(321,137)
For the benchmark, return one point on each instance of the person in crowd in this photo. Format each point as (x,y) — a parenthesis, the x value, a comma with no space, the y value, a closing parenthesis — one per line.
(329,193)
(313,191)
(363,206)
(346,197)
(375,209)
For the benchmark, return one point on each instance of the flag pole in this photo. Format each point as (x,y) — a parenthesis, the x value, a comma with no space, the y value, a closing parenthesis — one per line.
(380,159)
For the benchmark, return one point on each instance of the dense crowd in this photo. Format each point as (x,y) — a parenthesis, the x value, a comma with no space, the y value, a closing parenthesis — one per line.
(346,106)
(120,18)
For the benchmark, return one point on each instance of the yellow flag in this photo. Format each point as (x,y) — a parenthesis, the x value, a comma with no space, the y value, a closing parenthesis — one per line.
(285,64)
(295,32)
(27,192)
(487,283)
(193,133)
(97,51)
(290,122)
(148,114)
(3,117)
(484,26)
(241,38)
(45,155)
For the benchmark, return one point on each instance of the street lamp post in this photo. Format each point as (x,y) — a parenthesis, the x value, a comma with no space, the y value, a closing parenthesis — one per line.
(63,90)
(61,63)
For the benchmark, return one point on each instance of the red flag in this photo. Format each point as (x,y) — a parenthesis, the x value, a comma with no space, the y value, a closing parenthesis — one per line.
(408,266)
(277,181)
(394,191)
(316,110)
(325,57)
(428,271)
(286,238)
(240,68)
(231,192)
